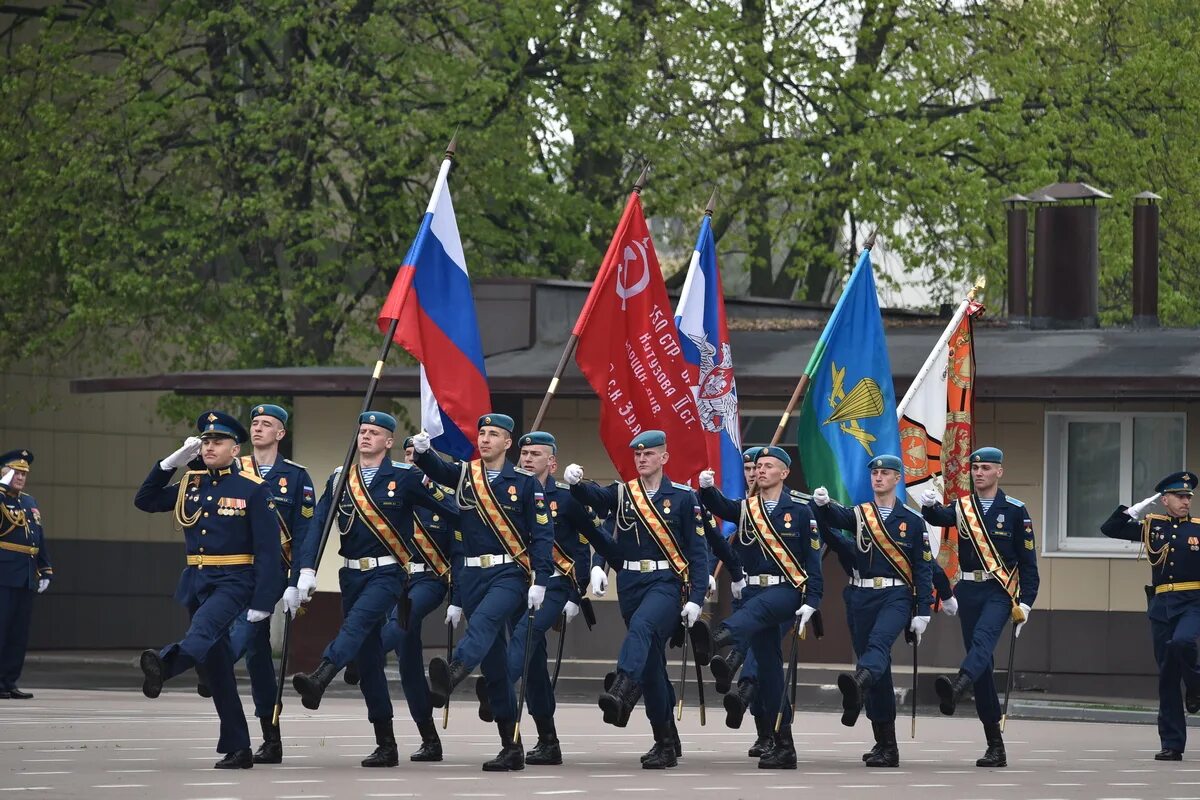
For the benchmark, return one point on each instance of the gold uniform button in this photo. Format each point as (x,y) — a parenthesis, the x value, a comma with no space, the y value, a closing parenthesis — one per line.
(209,497)
(201,549)
(206,513)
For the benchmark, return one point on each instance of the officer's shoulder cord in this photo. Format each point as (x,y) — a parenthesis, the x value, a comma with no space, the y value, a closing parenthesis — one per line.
(182,520)
(463,502)
(747,535)
(623,523)
(1156,557)
(864,543)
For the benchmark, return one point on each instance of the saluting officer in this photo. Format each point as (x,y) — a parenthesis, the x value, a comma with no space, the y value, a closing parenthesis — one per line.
(232,533)
(790,585)
(999,581)
(890,589)
(507,542)
(1170,541)
(24,568)
(375,520)
(659,551)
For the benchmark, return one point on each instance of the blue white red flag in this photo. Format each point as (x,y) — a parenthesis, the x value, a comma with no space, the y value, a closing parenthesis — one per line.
(431,298)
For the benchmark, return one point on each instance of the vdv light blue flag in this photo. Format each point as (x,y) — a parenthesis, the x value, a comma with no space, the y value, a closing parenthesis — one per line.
(849,413)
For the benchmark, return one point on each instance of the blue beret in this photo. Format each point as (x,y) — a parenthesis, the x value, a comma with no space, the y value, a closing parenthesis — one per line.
(378,419)
(219,423)
(1177,483)
(648,439)
(269,410)
(750,454)
(17,459)
(887,462)
(774,452)
(498,421)
(540,437)
(407,443)
(988,455)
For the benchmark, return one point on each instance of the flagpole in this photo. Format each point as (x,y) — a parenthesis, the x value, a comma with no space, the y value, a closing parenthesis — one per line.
(569,350)
(959,313)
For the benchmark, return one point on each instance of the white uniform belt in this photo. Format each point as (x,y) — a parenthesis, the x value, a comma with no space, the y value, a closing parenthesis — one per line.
(365,564)
(486,561)
(763,580)
(646,565)
(976,575)
(414,567)
(876,583)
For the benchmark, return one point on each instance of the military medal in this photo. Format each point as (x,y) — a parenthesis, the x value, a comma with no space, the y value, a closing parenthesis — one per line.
(391,488)
(787,520)
(283,485)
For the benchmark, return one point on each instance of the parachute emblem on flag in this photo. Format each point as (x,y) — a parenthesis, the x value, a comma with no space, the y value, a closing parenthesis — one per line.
(865,400)
(715,395)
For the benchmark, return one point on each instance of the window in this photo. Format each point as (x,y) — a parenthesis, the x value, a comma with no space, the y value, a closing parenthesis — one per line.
(1095,460)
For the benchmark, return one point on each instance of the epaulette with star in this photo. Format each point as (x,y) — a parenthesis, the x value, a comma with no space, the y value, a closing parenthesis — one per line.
(1014,501)
(799,496)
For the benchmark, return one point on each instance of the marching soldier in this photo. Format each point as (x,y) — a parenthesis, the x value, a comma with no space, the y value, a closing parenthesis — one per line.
(507,542)
(890,589)
(233,567)
(24,568)
(1170,542)
(779,521)
(375,520)
(658,549)
(999,581)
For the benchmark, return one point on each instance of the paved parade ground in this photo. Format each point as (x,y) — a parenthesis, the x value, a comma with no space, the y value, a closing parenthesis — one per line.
(108,744)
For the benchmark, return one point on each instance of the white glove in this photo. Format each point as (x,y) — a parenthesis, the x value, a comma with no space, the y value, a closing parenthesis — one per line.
(929,497)
(453,616)
(573,473)
(736,587)
(291,601)
(43,585)
(535,597)
(689,615)
(1136,510)
(805,613)
(950,606)
(306,584)
(189,450)
(1025,612)
(707,479)
(712,588)
(256,616)
(7,477)
(571,610)
(421,442)
(821,496)
(918,626)
(599,581)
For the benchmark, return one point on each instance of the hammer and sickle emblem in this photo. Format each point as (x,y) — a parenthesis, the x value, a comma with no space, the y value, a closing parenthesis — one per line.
(633,253)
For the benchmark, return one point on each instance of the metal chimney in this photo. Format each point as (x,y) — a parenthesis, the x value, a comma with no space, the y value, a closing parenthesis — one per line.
(1145,260)
(1066,272)
(1018,260)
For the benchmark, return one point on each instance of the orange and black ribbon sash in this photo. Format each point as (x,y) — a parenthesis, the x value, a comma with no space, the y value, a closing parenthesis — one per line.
(868,516)
(773,544)
(648,515)
(499,523)
(285,535)
(369,513)
(970,519)
(429,550)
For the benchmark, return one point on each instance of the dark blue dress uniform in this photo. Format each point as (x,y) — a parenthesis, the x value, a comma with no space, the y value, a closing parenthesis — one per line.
(24,561)
(232,535)
(1173,547)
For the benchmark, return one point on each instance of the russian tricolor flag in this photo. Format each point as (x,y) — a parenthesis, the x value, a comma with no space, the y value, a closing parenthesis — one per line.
(431,298)
(704,337)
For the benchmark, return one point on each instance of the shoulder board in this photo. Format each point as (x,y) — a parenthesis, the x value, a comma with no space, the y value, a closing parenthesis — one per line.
(683,486)
(1014,501)
(402,465)
(799,496)
(564,486)
(520,471)
(1194,520)
(294,464)
(250,476)
(195,472)
(445,489)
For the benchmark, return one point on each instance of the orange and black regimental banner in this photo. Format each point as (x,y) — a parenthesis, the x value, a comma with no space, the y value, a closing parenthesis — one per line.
(432,554)
(868,513)
(364,506)
(970,520)
(248,464)
(493,514)
(773,543)
(648,515)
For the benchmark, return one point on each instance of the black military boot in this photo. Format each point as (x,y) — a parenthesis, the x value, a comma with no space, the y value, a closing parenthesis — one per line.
(311,686)
(703,644)
(662,755)
(877,729)
(202,682)
(994,756)
(271,750)
(512,755)
(443,678)
(618,701)
(431,745)
(783,754)
(386,754)
(1191,699)
(730,665)
(485,702)
(152,673)
(350,676)
(888,751)
(949,691)
(239,759)
(736,702)
(765,739)
(1167,754)
(675,740)
(547,751)
(854,690)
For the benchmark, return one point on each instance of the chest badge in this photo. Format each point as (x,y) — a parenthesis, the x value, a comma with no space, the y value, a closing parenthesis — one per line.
(512,492)
(667,505)
(787,519)
(391,488)
(283,485)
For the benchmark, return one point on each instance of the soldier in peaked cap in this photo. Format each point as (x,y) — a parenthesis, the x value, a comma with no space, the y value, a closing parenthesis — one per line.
(233,567)
(999,581)
(508,547)
(377,546)
(890,589)
(1172,543)
(24,568)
